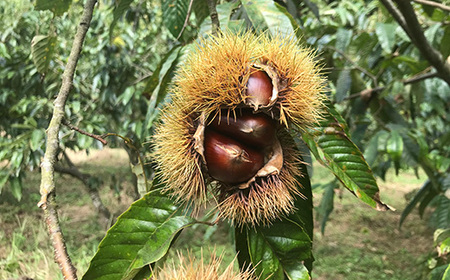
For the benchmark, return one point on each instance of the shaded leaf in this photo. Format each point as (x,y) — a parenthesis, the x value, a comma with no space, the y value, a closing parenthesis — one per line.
(442,212)
(283,249)
(58,7)
(313,7)
(42,51)
(343,84)
(157,85)
(120,7)
(174,15)
(332,147)
(343,38)
(269,15)
(4,176)
(16,187)
(201,11)
(326,204)
(423,191)
(141,236)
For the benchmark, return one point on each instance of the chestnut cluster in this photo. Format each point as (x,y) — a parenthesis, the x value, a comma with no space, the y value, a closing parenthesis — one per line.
(237,144)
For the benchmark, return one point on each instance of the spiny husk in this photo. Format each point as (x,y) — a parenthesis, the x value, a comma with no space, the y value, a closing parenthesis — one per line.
(301,86)
(267,198)
(192,269)
(179,165)
(214,77)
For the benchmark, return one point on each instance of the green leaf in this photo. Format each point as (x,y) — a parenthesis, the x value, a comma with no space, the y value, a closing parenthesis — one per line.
(445,42)
(332,147)
(442,212)
(394,147)
(42,51)
(268,15)
(423,191)
(174,15)
(343,38)
(16,187)
(326,204)
(36,138)
(58,7)
(4,176)
(141,236)
(120,7)
(201,11)
(285,247)
(440,272)
(158,83)
(343,85)
(386,35)
(446,275)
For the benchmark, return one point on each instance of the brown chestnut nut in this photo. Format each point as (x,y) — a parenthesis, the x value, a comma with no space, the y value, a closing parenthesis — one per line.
(229,161)
(255,130)
(259,88)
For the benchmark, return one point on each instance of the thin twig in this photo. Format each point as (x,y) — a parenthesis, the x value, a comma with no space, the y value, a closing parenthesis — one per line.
(370,91)
(415,33)
(95,136)
(47,187)
(433,4)
(344,55)
(215,24)
(87,180)
(187,19)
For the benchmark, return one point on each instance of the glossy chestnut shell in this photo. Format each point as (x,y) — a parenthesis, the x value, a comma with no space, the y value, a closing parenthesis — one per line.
(259,88)
(228,160)
(254,130)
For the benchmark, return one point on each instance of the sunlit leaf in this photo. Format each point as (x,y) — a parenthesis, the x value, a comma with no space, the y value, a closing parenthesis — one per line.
(270,15)
(386,35)
(42,51)
(16,187)
(141,236)
(58,7)
(394,147)
(36,139)
(332,147)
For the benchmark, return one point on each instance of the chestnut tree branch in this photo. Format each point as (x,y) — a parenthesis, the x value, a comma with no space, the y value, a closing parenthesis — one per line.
(47,187)
(433,4)
(408,21)
(414,79)
(215,24)
(95,136)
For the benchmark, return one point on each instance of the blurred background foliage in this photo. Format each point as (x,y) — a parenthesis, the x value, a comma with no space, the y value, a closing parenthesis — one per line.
(395,104)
